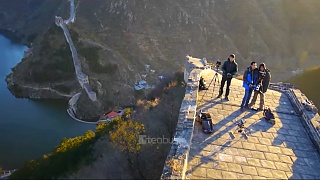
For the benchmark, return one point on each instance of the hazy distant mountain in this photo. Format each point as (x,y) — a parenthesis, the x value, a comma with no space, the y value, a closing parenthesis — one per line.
(127,34)
(277,32)
(29,17)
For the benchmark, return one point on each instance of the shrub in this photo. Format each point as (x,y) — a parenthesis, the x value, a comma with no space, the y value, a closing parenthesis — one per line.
(65,158)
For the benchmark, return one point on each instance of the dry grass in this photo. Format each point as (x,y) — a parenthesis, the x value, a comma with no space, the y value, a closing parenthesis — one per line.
(148,104)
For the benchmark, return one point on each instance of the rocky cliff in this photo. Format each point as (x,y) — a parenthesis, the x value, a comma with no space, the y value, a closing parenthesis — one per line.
(117,38)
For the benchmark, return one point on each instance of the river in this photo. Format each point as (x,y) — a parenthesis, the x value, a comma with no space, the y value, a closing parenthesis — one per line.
(29,128)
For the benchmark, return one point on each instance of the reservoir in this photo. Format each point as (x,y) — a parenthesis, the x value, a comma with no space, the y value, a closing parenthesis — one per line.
(29,128)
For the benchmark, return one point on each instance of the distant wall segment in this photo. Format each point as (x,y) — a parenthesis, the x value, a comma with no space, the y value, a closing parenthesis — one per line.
(83,79)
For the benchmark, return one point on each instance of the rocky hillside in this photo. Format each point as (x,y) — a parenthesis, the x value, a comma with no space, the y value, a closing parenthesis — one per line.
(26,20)
(116,38)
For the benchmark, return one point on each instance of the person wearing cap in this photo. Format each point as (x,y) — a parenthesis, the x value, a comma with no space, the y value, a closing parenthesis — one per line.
(262,86)
(229,68)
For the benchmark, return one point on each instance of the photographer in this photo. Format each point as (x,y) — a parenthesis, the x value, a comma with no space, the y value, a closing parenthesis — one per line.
(263,84)
(229,68)
(250,78)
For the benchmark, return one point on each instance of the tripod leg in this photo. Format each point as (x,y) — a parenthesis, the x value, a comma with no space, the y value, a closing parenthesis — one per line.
(206,90)
(246,132)
(214,85)
(216,78)
(236,130)
(245,135)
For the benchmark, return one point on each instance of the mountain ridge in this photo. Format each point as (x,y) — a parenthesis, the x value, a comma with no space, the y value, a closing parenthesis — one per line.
(127,34)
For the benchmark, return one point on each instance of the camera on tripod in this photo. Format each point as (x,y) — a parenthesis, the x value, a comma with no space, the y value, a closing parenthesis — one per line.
(218,64)
(240,125)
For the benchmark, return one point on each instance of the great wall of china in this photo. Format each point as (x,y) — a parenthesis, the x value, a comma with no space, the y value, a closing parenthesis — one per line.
(179,157)
(83,79)
(179,161)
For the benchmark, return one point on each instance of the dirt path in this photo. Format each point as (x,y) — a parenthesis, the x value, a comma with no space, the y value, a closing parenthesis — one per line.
(46,88)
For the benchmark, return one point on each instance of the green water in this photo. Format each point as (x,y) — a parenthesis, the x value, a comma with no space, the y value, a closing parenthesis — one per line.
(309,84)
(28,128)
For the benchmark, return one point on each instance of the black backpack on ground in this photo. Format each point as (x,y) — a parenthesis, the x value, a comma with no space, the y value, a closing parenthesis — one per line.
(205,120)
(268,114)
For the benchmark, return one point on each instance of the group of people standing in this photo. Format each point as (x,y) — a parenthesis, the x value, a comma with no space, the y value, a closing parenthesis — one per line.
(255,79)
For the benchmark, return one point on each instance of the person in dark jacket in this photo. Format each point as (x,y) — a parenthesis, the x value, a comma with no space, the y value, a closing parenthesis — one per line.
(229,68)
(263,84)
(250,78)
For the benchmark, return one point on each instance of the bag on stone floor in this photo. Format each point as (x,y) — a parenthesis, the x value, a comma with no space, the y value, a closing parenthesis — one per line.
(205,120)
(268,115)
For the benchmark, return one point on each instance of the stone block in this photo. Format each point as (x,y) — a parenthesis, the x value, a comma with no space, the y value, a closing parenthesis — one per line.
(234,168)
(258,155)
(247,145)
(225,157)
(271,156)
(262,147)
(253,162)
(243,176)
(279,174)
(240,160)
(214,174)
(200,172)
(267,164)
(264,172)
(249,170)
(282,166)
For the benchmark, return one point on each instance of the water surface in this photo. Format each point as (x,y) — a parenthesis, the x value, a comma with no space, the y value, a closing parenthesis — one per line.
(28,128)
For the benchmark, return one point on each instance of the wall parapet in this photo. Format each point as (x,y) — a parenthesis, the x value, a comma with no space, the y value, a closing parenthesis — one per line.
(306,110)
(177,160)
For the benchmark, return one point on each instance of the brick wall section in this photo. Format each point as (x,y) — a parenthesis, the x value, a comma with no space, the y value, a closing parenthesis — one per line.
(309,118)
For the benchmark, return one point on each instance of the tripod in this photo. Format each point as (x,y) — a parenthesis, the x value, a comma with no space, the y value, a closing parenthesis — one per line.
(215,78)
(241,129)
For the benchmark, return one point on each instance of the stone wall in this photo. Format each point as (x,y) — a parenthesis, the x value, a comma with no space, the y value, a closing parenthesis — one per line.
(92,95)
(177,159)
(82,77)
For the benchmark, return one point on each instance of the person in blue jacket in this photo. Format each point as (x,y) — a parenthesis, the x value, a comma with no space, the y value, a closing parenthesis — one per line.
(250,78)
(262,86)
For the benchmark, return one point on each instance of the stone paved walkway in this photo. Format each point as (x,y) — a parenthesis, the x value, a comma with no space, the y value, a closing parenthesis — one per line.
(282,150)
